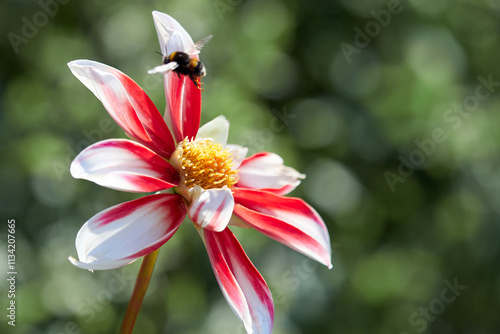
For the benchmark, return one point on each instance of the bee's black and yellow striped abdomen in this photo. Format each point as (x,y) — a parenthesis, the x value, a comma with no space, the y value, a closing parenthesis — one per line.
(191,67)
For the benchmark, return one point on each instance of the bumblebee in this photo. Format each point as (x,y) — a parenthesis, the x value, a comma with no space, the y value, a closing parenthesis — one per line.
(186,65)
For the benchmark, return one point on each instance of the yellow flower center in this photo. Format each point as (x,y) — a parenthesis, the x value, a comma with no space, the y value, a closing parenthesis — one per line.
(207,164)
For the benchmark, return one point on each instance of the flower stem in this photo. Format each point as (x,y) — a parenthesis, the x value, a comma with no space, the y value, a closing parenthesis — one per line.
(141,285)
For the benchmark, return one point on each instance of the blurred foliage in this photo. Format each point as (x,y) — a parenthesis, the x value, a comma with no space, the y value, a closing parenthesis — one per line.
(409,209)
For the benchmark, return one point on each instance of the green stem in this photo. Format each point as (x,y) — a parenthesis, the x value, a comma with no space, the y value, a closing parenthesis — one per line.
(141,285)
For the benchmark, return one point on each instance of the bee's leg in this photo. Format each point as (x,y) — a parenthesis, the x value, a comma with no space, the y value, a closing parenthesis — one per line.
(196,81)
(199,84)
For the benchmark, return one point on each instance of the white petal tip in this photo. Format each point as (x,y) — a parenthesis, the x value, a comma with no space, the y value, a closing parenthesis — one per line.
(75,262)
(82,63)
(76,170)
(78,264)
(73,63)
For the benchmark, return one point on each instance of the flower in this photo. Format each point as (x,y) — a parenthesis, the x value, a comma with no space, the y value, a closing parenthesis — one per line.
(195,173)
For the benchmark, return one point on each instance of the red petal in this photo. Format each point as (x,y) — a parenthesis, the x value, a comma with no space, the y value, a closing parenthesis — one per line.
(127,103)
(242,285)
(127,231)
(124,165)
(290,221)
(183,105)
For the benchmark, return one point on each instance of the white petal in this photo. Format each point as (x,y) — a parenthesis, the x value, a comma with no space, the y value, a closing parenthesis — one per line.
(212,208)
(238,153)
(121,234)
(267,171)
(171,35)
(217,129)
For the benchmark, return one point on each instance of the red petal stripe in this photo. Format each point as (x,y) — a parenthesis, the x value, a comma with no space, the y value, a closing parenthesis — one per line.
(290,221)
(183,105)
(124,165)
(156,163)
(148,115)
(127,208)
(241,283)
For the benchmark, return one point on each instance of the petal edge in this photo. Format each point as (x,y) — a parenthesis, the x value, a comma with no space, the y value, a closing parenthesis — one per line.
(242,285)
(288,220)
(121,234)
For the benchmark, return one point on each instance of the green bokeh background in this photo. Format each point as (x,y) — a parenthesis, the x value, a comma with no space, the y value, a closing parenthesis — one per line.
(401,231)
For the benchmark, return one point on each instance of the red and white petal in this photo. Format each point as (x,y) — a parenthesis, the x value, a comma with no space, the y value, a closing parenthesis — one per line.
(238,154)
(217,129)
(183,108)
(127,103)
(266,171)
(124,165)
(171,35)
(211,209)
(242,285)
(290,221)
(125,232)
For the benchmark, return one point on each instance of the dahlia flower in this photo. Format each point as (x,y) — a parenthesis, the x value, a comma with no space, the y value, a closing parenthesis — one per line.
(193,172)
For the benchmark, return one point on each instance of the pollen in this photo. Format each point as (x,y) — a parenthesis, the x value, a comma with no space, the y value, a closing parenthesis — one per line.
(207,164)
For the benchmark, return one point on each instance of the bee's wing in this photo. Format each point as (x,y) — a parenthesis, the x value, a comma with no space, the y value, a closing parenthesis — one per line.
(196,48)
(164,68)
